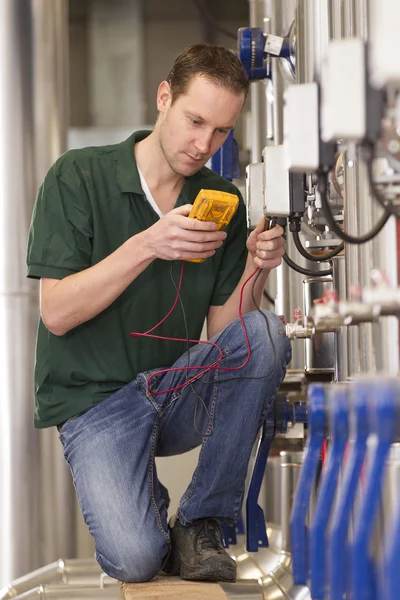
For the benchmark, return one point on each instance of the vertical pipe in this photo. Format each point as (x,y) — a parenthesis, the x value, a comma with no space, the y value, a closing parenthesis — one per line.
(305,41)
(51,95)
(358,217)
(322,30)
(258,99)
(341,343)
(33,124)
(18,297)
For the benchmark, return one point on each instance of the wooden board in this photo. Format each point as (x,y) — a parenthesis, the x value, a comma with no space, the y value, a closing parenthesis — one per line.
(172,588)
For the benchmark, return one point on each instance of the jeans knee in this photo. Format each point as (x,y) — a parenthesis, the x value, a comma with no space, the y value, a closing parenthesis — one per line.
(140,562)
(266,334)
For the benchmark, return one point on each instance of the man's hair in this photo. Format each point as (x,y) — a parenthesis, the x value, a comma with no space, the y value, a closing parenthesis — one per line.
(216,63)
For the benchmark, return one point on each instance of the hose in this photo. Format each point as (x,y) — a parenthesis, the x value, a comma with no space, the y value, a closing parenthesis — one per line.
(303,271)
(349,239)
(312,257)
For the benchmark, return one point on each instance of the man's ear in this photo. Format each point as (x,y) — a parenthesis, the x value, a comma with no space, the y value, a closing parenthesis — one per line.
(164,96)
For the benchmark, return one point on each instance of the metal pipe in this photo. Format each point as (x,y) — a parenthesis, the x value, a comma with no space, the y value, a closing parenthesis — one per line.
(305,41)
(33,123)
(321,34)
(258,98)
(341,343)
(72,572)
(51,111)
(61,592)
(18,299)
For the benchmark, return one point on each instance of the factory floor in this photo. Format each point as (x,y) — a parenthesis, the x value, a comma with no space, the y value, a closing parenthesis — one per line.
(172,588)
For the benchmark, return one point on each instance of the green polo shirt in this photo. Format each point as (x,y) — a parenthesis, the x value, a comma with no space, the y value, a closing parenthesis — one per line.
(90,202)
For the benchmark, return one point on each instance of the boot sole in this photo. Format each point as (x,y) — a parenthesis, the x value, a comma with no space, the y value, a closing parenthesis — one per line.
(199,575)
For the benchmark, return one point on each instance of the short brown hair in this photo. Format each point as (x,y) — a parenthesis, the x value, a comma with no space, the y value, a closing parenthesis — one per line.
(217,63)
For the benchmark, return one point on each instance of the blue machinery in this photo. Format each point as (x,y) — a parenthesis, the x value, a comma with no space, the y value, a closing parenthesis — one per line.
(332,554)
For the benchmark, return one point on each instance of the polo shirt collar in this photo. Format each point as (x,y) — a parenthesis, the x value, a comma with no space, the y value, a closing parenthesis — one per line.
(127,171)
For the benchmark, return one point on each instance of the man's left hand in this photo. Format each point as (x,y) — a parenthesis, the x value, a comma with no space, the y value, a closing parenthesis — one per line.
(266,246)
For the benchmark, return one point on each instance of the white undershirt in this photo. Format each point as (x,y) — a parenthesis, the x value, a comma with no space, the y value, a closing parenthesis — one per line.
(149,195)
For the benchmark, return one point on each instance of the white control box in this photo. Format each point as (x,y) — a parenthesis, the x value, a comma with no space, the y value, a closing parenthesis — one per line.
(254,193)
(384,42)
(276,182)
(344,91)
(301,118)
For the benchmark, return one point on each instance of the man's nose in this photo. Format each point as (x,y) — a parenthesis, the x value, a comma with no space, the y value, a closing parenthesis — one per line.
(203,143)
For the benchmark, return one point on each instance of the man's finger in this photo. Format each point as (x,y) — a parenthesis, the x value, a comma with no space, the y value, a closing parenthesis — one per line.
(271,234)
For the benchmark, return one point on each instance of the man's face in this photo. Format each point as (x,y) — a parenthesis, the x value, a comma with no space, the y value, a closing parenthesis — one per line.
(193,128)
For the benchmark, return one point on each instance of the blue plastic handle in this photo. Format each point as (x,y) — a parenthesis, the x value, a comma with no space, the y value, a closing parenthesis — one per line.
(390,573)
(256,533)
(298,525)
(337,551)
(390,579)
(382,417)
(339,407)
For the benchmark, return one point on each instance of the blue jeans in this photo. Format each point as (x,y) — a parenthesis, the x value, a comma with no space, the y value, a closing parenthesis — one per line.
(110,449)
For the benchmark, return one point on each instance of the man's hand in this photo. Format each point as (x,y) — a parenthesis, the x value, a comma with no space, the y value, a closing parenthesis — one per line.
(266,247)
(176,237)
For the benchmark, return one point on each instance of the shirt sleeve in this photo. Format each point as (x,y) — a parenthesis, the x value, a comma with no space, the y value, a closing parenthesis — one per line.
(234,257)
(61,231)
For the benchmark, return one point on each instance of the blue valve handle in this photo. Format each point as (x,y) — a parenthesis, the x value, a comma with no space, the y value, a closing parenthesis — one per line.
(390,571)
(256,534)
(337,552)
(340,433)
(252,54)
(390,584)
(382,417)
(298,525)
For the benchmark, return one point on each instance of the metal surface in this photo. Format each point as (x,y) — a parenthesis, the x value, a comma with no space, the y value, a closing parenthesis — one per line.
(319,351)
(271,567)
(258,98)
(18,304)
(33,133)
(341,343)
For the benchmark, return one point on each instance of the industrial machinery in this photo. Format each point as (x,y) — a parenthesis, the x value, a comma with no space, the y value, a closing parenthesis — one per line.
(325,160)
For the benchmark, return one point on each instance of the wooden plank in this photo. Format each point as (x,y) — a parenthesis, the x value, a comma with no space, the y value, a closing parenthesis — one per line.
(172,588)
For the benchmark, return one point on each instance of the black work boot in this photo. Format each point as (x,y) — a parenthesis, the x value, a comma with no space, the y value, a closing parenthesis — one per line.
(197,552)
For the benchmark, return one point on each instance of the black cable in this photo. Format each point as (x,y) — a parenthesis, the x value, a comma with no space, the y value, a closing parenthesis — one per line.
(191,383)
(198,397)
(207,15)
(313,257)
(349,239)
(303,271)
(268,297)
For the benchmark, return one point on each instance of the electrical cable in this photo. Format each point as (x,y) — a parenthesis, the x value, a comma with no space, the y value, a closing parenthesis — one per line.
(207,15)
(349,239)
(269,298)
(313,257)
(216,365)
(198,397)
(303,271)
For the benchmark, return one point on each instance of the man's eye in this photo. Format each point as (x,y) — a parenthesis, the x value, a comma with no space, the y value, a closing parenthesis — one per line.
(195,122)
(222,131)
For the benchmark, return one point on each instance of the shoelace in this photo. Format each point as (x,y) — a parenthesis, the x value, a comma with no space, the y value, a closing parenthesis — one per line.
(209,535)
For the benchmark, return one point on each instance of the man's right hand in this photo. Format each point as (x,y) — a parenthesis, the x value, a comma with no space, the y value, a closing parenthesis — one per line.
(176,237)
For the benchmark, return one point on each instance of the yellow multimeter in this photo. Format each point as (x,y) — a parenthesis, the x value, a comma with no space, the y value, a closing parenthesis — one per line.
(216,206)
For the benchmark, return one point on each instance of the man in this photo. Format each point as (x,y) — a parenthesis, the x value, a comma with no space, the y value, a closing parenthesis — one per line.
(109,233)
